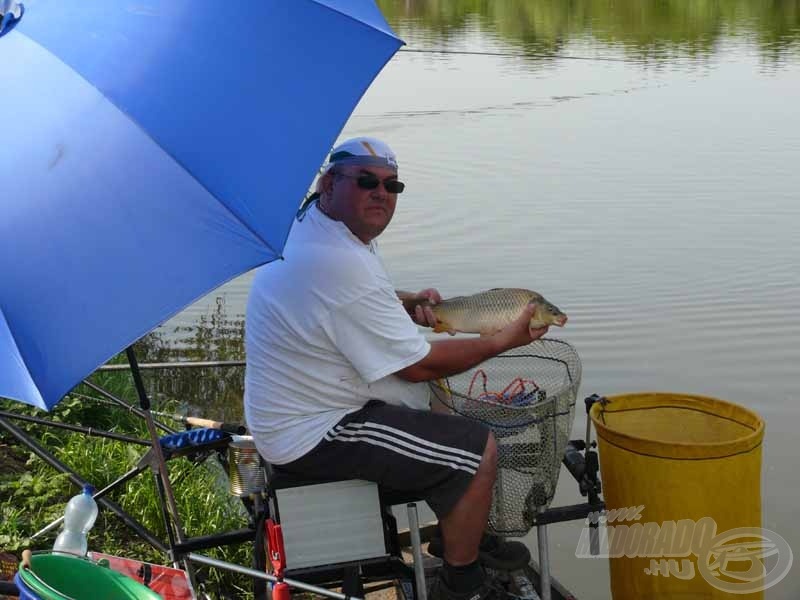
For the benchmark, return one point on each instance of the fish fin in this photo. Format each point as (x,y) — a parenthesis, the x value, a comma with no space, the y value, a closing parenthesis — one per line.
(442,327)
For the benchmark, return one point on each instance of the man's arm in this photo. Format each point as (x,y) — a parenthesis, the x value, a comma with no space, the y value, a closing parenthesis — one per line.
(449,357)
(405,295)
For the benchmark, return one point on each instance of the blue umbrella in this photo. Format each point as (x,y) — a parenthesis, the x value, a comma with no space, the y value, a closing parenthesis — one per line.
(151,151)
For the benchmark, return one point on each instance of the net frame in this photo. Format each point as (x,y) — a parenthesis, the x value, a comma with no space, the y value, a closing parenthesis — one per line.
(527,397)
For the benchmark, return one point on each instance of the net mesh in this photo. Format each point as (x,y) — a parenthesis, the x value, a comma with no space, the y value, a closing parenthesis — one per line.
(527,397)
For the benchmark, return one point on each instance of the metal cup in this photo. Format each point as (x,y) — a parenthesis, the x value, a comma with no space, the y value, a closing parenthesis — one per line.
(245,471)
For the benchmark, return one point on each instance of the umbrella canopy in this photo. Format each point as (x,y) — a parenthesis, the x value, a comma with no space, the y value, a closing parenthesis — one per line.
(151,151)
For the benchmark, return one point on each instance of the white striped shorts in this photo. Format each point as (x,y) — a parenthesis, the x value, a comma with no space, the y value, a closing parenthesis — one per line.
(409,451)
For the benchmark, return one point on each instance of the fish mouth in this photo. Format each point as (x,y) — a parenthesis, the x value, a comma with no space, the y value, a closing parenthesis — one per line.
(560,321)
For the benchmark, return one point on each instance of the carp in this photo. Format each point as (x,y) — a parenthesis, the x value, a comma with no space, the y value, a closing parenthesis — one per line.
(489,311)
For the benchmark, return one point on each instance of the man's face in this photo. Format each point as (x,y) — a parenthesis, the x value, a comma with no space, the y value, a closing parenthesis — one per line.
(365,212)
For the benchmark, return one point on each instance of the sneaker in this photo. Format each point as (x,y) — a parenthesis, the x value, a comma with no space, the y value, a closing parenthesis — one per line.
(494,552)
(503,555)
(490,589)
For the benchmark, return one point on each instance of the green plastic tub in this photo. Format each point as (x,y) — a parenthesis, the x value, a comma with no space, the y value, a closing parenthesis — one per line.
(63,577)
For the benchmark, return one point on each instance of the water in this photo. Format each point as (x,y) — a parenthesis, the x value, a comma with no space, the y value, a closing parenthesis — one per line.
(651,192)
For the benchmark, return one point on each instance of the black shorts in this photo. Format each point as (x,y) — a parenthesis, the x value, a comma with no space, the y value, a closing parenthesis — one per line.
(401,449)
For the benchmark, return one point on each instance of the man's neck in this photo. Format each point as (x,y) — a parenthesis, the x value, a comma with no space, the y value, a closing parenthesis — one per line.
(325,212)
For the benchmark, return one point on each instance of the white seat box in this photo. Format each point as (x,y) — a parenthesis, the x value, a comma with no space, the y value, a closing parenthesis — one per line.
(331,523)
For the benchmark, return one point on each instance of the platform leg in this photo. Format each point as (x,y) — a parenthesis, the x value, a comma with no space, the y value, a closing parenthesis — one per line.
(544,560)
(416,549)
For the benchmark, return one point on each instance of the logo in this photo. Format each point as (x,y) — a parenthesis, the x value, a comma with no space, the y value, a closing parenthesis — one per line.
(743,560)
(734,562)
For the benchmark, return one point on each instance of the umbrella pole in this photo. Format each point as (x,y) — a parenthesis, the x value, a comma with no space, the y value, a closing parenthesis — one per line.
(160,467)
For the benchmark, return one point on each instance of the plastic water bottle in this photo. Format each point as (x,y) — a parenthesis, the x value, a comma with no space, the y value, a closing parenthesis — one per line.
(79,517)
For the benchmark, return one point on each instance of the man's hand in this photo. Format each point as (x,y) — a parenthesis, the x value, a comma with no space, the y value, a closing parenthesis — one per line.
(424,315)
(519,332)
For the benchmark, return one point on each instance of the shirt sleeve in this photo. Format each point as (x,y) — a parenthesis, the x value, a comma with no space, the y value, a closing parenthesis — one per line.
(376,335)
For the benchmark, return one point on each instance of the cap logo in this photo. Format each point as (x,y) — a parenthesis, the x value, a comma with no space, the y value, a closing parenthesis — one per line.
(367,145)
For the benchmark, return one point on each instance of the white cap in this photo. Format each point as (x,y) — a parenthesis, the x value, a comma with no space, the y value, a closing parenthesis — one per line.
(367,151)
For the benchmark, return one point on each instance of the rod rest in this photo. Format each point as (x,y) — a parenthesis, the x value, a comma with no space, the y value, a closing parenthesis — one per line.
(193,440)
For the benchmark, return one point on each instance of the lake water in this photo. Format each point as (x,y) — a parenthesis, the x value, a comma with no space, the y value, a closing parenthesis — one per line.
(637,162)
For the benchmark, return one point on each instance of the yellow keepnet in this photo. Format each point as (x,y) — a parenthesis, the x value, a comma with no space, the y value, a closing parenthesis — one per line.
(693,465)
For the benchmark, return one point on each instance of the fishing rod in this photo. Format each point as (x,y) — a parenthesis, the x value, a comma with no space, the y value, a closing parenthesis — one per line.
(121,403)
(90,431)
(177,365)
(234,428)
(519,55)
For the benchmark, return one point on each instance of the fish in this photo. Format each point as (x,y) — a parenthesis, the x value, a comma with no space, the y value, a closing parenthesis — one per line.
(489,311)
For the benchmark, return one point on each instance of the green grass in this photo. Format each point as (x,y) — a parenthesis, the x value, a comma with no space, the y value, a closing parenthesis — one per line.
(32,494)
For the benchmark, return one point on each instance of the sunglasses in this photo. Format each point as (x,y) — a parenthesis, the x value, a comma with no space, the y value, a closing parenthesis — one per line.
(370,181)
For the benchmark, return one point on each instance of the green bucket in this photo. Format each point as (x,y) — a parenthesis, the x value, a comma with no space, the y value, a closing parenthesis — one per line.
(63,577)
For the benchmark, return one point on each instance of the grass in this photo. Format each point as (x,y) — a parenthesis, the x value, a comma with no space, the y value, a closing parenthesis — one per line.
(32,494)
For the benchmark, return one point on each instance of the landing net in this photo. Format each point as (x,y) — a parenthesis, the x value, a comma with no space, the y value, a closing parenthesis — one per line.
(527,397)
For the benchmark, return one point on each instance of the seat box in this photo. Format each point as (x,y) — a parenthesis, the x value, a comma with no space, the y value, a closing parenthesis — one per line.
(331,523)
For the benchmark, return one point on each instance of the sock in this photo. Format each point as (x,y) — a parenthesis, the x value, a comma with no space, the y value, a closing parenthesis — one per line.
(464,578)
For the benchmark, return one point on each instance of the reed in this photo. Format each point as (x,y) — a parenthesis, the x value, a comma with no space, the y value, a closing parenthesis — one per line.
(32,494)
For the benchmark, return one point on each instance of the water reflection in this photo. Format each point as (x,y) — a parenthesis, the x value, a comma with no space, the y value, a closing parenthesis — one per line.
(649,30)
(216,335)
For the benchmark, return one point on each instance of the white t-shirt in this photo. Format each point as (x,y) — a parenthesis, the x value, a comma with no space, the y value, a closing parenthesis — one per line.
(324,333)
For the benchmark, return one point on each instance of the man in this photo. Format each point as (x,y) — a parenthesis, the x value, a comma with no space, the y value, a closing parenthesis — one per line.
(336,369)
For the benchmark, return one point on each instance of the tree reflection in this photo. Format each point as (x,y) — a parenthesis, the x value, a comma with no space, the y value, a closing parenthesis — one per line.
(213,392)
(645,29)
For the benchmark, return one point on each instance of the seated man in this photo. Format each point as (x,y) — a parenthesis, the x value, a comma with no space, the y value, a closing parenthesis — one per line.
(336,370)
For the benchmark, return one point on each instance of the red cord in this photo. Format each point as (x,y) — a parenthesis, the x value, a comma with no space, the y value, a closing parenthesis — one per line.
(474,377)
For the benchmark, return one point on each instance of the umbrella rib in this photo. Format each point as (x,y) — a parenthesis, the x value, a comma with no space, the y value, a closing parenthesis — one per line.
(192,175)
